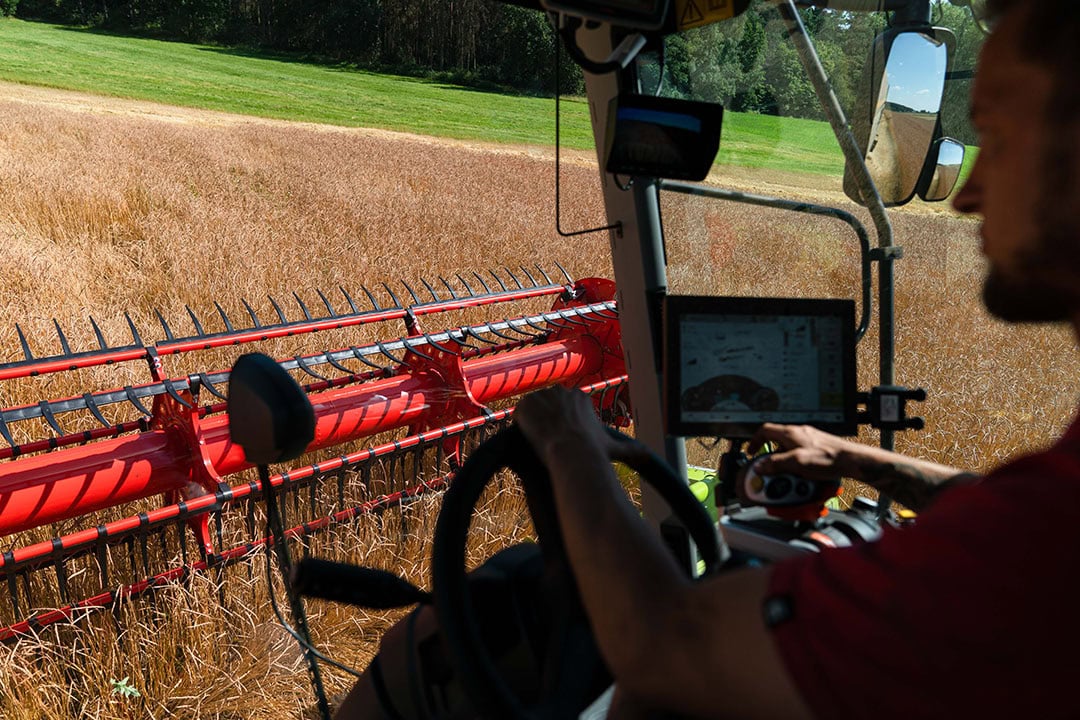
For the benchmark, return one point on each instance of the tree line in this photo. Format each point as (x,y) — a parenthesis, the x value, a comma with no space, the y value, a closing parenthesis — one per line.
(746,63)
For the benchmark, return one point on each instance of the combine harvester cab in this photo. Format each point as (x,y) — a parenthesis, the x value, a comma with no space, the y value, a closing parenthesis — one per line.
(109,494)
(148,486)
(686,378)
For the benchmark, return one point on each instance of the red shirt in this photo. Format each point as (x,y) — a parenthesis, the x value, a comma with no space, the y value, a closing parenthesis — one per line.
(974,612)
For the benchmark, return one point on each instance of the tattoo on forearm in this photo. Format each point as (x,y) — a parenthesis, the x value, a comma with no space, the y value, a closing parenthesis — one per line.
(907,485)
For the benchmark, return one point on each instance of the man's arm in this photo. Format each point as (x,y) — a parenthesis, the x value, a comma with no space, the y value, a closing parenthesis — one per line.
(699,648)
(811,453)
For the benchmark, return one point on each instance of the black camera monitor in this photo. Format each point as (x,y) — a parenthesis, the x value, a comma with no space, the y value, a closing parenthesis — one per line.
(662,137)
(733,363)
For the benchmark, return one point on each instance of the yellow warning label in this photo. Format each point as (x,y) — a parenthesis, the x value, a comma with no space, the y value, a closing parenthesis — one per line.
(694,13)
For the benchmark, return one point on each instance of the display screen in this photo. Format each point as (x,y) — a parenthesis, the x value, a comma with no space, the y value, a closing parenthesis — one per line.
(662,137)
(732,364)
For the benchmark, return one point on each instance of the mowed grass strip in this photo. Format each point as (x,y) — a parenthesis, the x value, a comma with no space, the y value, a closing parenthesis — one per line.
(276,86)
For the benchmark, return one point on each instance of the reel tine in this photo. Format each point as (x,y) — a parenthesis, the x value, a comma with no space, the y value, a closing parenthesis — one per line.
(565,274)
(498,279)
(336,364)
(475,335)
(387,353)
(410,349)
(534,326)
(480,279)
(326,302)
(251,313)
(47,413)
(63,339)
(348,299)
(397,303)
(556,325)
(5,433)
(374,302)
(415,299)
(547,278)
(514,278)
(204,380)
(98,335)
(571,320)
(135,338)
(277,309)
(224,317)
(459,341)
(303,366)
(498,333)
(129,392)
(519,331)
(439,347)
(529,275)
(472,293)
(195,321)
(453,294)
(25,345)
(360,356)
(92,406)
(434,295)
(164,325)
(175,395)
(303,307)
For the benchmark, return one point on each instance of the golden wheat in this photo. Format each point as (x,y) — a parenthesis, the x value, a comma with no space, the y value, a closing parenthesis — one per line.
(106,210)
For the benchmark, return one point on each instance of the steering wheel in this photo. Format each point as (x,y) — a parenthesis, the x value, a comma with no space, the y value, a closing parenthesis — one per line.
(570,661)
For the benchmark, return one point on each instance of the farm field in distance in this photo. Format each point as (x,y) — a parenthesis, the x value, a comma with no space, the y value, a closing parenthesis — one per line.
(115,205)
(281,87)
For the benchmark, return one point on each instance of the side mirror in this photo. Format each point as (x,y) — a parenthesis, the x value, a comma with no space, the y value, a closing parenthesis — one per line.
(897,130)
(270,416)
(942,170)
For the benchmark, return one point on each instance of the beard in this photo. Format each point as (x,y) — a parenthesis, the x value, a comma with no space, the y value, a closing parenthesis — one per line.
(1024,299)
(1043,284)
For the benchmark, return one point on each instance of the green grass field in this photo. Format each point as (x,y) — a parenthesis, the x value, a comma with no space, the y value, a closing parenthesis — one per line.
(276,87)
(216,78)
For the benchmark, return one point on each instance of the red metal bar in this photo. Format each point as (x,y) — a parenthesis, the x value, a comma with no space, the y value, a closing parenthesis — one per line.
(68,483)
(48,551)
(109,598)
(46,366)
(75,481)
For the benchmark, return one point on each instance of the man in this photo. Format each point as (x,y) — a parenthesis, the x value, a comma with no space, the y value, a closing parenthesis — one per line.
(973,612)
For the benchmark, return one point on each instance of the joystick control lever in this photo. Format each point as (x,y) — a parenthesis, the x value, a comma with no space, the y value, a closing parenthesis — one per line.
(784,496)
(782,490)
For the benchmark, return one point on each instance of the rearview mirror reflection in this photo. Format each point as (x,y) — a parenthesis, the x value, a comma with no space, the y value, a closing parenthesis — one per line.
(900,127)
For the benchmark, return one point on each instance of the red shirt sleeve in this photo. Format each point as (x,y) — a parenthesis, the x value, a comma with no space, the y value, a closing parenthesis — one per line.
(972,613)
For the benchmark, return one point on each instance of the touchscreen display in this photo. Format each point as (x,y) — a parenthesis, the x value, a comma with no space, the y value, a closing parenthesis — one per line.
(735,363)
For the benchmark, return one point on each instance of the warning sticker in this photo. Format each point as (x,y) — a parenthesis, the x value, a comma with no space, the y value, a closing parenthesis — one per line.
(694,13)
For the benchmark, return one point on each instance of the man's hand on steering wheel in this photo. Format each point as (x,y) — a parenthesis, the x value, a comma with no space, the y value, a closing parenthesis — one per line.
(556,419)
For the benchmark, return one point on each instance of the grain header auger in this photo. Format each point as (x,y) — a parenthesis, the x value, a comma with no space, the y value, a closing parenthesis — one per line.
(149,474)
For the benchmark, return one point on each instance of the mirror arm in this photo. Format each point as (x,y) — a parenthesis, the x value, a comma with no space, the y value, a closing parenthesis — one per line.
(811,63)
(837,119)
(914,14)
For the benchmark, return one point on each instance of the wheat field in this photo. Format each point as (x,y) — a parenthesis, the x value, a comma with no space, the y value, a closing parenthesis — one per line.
(112,206)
